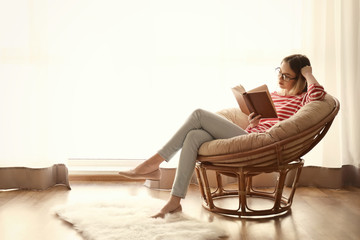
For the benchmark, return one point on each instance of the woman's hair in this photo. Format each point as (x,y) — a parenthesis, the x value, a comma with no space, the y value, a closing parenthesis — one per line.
(296,63)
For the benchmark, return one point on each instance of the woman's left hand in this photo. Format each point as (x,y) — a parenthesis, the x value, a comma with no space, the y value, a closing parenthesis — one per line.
(307,73)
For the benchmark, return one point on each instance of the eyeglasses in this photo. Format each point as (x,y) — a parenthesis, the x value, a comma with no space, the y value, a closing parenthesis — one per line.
(283,76)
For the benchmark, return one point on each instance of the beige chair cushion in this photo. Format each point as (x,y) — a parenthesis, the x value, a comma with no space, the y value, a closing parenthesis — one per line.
(306,117)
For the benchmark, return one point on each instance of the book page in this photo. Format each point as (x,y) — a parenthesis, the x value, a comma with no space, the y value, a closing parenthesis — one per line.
(239,88)
(239,95)
(259,89)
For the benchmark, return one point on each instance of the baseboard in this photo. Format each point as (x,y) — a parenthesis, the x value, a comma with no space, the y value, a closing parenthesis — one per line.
(100,177)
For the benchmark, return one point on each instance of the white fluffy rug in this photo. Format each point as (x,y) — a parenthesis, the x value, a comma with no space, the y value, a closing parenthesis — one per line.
(130,219)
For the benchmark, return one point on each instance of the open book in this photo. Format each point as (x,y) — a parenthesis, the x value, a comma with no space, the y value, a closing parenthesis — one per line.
(257,100)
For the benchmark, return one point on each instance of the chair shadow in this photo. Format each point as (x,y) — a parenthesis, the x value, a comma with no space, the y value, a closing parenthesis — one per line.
(243,228)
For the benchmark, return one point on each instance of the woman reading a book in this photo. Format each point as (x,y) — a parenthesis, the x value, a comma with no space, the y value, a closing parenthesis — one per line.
(298,87)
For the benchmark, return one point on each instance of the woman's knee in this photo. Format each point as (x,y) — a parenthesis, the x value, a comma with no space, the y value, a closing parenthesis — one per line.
(197,137)
(198,112)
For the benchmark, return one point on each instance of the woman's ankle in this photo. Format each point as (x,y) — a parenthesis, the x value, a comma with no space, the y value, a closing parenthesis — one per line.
(172,204)
(156,159)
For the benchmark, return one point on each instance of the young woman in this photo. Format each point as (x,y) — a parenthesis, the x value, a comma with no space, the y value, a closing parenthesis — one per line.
(298,87)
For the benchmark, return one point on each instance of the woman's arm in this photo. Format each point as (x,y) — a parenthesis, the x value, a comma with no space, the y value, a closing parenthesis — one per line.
(315,90)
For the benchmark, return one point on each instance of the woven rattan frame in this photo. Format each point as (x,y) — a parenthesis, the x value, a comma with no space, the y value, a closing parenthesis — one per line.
(281,157)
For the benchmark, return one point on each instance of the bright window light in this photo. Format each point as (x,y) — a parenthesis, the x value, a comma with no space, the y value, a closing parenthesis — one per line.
(116,78)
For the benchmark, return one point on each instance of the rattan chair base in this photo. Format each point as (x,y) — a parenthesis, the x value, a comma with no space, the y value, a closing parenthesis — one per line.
(245,191)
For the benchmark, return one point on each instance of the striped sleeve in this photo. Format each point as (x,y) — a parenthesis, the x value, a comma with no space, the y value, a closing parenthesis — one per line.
(314,93)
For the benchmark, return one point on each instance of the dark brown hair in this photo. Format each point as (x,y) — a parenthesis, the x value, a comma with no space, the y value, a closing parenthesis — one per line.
(296,63)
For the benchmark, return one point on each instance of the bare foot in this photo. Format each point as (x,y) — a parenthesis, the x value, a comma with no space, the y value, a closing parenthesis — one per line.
(172,206)
(163,212)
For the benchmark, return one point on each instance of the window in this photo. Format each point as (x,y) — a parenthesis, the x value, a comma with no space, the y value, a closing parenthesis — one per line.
(121,76)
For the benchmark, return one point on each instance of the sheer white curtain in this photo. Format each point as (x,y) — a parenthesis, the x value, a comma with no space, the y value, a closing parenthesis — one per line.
(31,115)
(332,41)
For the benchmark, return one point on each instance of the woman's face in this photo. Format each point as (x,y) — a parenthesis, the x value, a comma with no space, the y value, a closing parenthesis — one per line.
(289,82)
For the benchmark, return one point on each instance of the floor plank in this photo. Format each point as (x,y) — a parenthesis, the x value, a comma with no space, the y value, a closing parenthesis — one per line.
(316,213)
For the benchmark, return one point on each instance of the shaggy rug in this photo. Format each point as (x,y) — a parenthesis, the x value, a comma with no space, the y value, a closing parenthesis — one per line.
(130,219)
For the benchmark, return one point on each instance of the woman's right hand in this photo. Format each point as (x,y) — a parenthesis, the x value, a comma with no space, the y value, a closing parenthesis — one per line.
(253,120)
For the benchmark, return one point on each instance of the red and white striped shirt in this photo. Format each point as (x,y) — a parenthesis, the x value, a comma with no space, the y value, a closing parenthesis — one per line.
(286,106)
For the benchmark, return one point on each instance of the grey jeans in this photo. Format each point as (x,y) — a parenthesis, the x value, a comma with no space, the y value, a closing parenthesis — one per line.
(200,127)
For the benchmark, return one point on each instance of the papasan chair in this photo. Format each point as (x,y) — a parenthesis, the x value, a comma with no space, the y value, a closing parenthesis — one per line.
(278,151)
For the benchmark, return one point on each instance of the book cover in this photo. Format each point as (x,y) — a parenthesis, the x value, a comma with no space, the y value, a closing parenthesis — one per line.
(257,100)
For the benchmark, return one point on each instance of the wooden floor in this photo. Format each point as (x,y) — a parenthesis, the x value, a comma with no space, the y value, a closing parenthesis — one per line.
(316,213)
